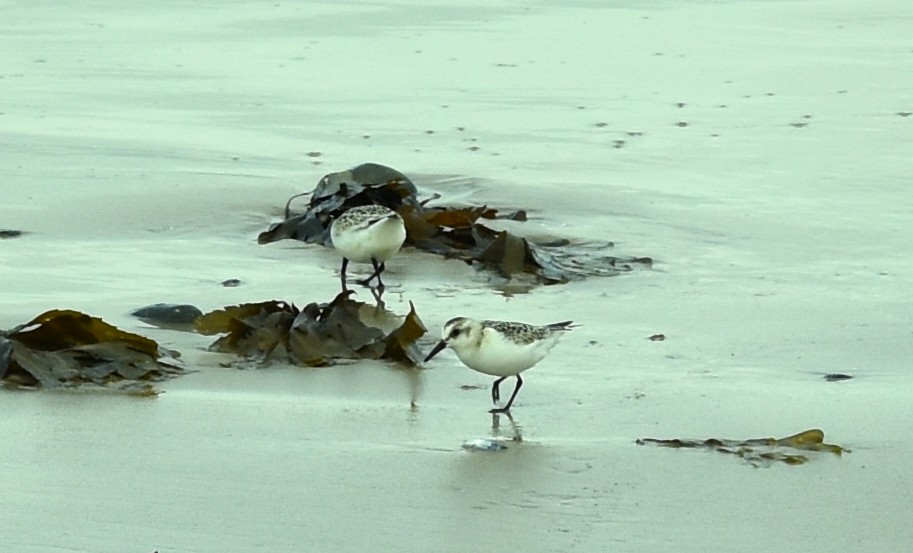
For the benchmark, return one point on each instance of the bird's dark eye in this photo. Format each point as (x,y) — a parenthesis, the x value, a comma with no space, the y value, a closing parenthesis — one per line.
(455,332)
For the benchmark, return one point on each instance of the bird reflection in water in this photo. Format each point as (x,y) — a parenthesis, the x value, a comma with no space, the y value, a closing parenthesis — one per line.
(513,435)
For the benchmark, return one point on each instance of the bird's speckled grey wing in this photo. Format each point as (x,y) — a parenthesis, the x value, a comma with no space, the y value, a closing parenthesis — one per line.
(520,333)
(362,216)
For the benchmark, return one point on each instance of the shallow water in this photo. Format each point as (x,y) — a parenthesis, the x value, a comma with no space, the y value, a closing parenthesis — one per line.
(764,168)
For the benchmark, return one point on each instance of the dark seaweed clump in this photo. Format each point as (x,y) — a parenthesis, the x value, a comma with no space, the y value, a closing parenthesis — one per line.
(453,232)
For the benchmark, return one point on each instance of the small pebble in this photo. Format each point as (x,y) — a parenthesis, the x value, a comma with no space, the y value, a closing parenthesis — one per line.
(168,313)
(4,233)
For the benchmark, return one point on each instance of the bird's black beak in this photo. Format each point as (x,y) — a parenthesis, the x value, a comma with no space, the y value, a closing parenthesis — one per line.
(437,349)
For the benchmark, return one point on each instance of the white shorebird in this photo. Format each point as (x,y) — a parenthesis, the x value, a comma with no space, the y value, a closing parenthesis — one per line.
(499,348)
(367,234)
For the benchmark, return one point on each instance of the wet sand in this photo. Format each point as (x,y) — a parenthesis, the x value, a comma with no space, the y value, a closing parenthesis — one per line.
(757,151)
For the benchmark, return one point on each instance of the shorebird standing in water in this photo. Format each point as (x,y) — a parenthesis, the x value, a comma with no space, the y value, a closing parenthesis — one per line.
(499,348)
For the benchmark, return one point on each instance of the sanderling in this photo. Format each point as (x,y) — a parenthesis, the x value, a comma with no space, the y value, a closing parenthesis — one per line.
(499,348)
(367,234)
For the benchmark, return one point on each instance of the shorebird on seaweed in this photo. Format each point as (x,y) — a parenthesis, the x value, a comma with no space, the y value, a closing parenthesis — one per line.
(499,348)
(367,234)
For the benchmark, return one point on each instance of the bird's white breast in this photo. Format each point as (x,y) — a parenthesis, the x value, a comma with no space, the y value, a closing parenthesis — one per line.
(381,240)
(494,355)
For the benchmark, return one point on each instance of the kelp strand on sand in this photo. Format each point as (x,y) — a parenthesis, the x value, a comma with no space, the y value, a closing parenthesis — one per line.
(791,450)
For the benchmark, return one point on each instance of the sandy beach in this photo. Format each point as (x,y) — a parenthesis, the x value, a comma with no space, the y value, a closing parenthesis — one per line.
(759,152)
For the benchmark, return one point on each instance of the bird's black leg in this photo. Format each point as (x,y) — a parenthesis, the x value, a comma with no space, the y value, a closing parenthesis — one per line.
(506,408)
(342,272)
(378,269)
(496,390)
